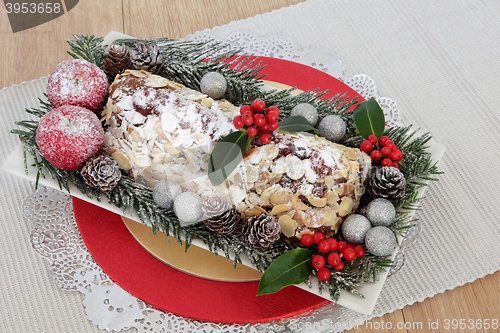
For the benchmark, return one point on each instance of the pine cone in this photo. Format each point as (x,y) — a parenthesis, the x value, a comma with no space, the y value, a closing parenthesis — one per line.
(101,172)
(146,57)
(261,231)
(388,183)
(117,60)
(220,215)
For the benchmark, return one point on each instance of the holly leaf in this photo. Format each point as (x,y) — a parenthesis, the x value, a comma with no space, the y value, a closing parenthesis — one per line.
(369,118)
(226,156)
(297,124)
(290,268)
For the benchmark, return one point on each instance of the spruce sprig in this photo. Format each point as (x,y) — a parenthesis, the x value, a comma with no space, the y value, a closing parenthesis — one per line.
(89,48)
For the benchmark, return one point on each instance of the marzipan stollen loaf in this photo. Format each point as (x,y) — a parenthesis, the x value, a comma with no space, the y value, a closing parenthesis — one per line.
(157,129)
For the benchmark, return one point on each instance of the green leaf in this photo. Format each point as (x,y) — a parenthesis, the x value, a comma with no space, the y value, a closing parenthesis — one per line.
(369,118)
(226,156)
(292,267)
(297,124)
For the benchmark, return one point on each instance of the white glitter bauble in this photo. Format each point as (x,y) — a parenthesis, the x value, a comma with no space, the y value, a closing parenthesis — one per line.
(213,84)
(332,128)
(380,212)
(187,207)
(380,241)
(307,111)
(165,192)
(355,227)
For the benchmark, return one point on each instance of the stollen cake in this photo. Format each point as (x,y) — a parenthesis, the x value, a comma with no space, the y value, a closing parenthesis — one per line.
(157,129)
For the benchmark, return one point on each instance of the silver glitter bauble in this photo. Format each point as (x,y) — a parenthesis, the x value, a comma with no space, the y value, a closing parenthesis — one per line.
(307,111)
(332,128)
(380,212)
(355,227)
(165,192)
(213,84)
(380,241)
(187,207)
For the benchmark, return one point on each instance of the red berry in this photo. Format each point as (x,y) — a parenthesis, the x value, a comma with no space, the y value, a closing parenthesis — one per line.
(388,143)
(396,155)
(273,108)
(385,151)
(246,108)
(333,243)
(349,246)
(265,138)
(318,237)
(324,274)
(259,119)
(68,136)
(324,247)
(375,155)
(395,164)
(318,261)
(360,251)
(258,105)
(349,254)
(78,82)
(373,139)
(274,126)
(387,162)
(272,117)
(247,118)
(366,146)
(333,259)
(266,127)
(306,239)
(341,246)
(252,131)
(392,146)
(238,122)
(383,139)
(339,267)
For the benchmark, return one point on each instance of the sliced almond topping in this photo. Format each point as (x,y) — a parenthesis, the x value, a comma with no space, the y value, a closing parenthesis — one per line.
(351,154)
(318,202)
(345,206)
(288,225)
(346,189)
(280,197)
(331,197)
(136,73)
(255,210)
(279,209)
(122,160)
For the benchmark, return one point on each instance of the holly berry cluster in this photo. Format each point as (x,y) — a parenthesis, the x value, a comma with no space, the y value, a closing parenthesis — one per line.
(258,120)
(382,148)
(334,251)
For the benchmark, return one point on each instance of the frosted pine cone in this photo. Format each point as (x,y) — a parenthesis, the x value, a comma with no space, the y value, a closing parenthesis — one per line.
(261,231)
(388,183)
(117,60)
(219,215)
(101,172)
(146,57)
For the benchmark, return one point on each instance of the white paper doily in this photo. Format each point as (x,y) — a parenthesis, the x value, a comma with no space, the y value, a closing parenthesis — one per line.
(55,235)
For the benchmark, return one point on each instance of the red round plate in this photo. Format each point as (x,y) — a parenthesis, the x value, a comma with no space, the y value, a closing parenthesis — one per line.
(168,289)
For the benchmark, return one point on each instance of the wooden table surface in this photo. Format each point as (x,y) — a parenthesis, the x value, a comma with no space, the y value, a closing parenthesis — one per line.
(33,53)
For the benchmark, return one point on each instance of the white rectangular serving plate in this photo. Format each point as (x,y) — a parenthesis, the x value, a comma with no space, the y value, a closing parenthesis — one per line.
(15,166)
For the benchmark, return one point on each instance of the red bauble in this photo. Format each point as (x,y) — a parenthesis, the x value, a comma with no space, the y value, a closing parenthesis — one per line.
(68,136)
(78,82)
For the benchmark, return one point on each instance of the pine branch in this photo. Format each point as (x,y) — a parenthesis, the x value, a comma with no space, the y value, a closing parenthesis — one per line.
(89,48)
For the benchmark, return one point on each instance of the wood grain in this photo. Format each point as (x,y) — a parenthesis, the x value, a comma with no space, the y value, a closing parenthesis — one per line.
(33,53)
